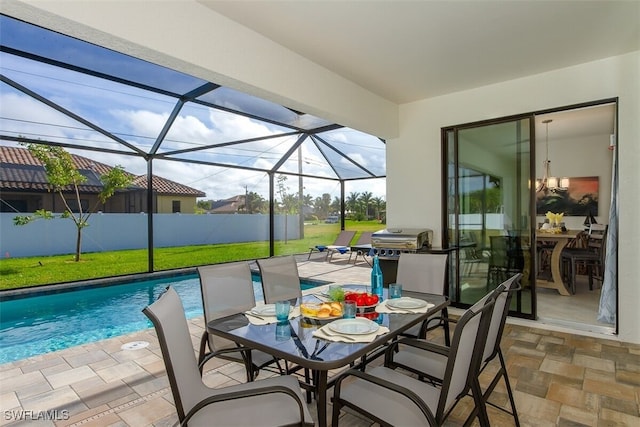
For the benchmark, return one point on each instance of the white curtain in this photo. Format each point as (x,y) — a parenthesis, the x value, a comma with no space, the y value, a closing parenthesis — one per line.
(607,308)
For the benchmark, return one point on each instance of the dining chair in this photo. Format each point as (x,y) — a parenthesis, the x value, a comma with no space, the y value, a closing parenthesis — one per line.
(227,289)
(429,360)
(392,398)
(280,279)
(425,273)
(274,401)
(506,259)
(591,258)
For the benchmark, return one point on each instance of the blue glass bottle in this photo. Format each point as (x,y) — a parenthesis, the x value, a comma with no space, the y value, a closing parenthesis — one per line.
(376,278)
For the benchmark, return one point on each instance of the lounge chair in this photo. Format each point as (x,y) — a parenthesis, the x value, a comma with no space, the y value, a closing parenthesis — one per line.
(362,247)
(275,401)
(341,244)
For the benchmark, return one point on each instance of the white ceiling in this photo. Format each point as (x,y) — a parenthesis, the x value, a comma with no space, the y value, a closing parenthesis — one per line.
(410,50)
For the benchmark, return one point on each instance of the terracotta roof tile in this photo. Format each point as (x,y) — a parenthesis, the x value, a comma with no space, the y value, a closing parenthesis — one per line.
(19,170)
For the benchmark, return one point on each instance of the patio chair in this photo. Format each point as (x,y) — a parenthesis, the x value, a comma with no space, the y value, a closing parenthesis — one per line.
(274,401)
(280,279)
(429,361)
(362,247)
(425,273)
(391,398)
(341,243)
(227,289)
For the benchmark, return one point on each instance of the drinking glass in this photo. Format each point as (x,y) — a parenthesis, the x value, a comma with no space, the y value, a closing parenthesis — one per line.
(282,310)
(349,310)
(395,290)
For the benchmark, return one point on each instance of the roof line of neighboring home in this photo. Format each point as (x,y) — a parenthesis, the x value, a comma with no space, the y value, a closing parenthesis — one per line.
(21,171)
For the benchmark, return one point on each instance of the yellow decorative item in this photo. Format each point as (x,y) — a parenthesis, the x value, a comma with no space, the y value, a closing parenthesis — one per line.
(554,218)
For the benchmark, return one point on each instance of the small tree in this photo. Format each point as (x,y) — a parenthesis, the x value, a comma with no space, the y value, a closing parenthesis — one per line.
(62,173)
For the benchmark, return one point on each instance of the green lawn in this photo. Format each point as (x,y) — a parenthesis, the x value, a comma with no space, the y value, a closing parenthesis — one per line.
(33,271)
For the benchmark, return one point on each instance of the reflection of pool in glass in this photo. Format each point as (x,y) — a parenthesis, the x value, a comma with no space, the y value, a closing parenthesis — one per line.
(48,322)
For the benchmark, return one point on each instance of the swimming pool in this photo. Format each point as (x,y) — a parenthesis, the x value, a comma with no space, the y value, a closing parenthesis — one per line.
(40,324)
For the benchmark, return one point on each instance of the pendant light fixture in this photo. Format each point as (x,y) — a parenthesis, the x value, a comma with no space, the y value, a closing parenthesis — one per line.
(548,182)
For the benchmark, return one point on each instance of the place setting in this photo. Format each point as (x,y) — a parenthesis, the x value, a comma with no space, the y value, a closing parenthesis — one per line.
(266,314)
(396,303)
(351,330)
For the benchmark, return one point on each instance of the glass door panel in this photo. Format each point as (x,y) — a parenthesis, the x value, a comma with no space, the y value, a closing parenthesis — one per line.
(489,208)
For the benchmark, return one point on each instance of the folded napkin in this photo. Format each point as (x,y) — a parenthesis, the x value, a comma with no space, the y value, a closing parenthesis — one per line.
(327,334)
(382,308)
(259,319)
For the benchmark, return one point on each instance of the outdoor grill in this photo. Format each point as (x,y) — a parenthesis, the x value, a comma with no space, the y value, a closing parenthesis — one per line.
(389,243)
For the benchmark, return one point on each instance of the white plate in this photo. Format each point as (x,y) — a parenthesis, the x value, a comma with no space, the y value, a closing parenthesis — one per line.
(406,303)
(357,326)
(264,310)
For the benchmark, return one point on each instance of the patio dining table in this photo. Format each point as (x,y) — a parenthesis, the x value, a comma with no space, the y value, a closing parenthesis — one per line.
(298,346)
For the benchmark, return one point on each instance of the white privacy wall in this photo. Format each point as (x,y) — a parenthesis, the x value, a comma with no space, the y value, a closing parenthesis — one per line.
(413,159)
(113,232)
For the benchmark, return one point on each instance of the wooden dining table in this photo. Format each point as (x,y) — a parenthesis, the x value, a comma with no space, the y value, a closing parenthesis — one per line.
(302,349)
(560,241)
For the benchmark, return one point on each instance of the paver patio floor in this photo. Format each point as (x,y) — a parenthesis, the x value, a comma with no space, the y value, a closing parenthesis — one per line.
(558,378)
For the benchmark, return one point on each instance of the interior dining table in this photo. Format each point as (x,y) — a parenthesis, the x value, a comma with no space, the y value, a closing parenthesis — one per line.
(561,240)
(298,346)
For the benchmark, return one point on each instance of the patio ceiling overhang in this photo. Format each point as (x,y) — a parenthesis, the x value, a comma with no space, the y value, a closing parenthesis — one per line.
(63,91)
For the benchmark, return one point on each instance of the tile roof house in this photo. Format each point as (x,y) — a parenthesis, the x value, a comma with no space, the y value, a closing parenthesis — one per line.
(231,205)
(24,187)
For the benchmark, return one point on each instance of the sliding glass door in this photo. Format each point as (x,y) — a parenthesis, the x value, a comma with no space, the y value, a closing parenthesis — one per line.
(489,208)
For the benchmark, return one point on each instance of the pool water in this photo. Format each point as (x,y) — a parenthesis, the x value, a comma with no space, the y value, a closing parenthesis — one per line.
(40,324)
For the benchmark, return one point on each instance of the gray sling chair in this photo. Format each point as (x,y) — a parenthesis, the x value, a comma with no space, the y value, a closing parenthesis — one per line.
(429,360)
(392,398)
(281,281)
(275,401)
(425,273)
(227,289)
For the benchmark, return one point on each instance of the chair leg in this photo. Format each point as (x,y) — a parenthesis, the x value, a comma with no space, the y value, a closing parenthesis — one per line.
(445,325)
(502,373)
(480,406)
(201,353)
(505,375)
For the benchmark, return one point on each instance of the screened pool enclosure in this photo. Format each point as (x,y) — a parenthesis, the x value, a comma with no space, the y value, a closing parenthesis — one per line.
(286,169)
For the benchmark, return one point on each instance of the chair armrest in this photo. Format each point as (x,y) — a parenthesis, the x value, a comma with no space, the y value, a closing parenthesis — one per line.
(243,394)
(390,386)
(426,345)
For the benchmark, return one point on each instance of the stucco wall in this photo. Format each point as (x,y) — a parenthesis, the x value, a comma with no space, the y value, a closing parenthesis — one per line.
(415,156)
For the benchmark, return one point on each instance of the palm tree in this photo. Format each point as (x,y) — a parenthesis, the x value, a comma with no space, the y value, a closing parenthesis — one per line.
(379,204)
(365,199)
(322,205)
(352,202)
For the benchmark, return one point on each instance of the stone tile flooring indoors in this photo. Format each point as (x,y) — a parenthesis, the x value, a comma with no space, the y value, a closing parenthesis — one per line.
(559,378)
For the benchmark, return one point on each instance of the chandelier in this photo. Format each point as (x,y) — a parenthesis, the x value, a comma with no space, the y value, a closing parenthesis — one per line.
(548,182)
